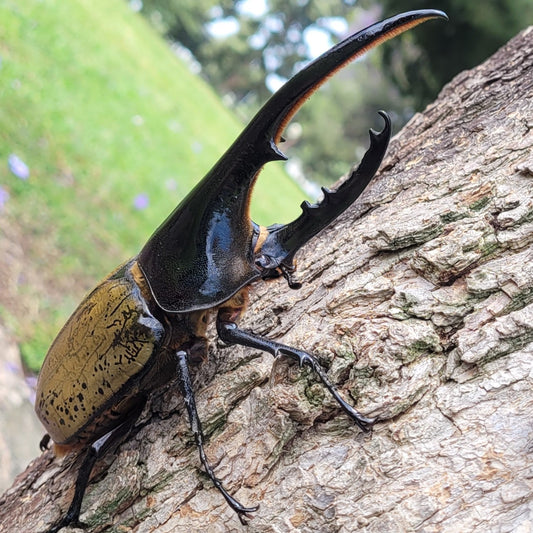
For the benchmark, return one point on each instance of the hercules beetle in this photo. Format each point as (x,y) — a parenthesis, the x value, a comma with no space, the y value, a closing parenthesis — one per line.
(142,325)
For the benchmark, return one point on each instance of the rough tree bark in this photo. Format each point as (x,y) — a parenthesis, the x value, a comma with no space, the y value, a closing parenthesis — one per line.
(422,310)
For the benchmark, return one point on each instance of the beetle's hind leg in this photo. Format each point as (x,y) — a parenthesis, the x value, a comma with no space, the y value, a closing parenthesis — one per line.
(96,450)
(44,443)
(231,334)
(196,428)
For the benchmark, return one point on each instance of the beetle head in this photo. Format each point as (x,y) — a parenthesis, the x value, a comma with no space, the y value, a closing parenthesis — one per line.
(208,248)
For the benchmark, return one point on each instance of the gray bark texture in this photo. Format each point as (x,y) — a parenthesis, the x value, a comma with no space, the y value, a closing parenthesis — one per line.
(419,301)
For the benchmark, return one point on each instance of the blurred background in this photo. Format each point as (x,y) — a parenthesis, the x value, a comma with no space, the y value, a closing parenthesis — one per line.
(111,110)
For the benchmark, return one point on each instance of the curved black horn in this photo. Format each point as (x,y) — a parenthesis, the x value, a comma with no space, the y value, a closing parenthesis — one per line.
(284,240)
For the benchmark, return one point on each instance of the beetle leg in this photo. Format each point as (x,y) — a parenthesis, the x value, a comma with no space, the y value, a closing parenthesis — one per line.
(44,443)
(96,450)
(231,334)
(196,428)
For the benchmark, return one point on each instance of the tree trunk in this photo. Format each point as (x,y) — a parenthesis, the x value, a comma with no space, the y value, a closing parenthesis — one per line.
(418,301)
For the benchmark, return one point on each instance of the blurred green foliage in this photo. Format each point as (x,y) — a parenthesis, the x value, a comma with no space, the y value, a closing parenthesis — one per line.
(266,42)
(114,131)
(401,77)
(421,63)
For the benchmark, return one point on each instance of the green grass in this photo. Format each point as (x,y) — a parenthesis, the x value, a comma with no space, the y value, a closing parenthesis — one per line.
(100,110)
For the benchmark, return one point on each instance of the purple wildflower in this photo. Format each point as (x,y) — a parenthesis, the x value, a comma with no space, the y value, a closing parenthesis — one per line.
(4,197)
(141,201)
(18,167)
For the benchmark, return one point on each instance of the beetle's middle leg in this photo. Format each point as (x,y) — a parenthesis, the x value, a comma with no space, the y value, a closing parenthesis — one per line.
(196,428)
(230,333)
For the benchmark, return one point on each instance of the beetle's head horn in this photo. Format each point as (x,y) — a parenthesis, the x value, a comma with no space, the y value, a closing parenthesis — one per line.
(276,248)
(208,248)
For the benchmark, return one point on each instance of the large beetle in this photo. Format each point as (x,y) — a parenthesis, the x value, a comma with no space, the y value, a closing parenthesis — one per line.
(142,325)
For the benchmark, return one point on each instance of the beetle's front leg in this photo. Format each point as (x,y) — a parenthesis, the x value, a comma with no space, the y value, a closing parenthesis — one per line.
(196,428)
(230,333)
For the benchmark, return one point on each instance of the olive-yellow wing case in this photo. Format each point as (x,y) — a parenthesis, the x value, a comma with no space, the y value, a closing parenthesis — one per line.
(96,359)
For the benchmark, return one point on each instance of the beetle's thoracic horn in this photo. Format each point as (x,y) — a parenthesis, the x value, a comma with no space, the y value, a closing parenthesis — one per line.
(202,254)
